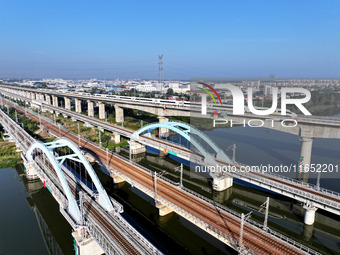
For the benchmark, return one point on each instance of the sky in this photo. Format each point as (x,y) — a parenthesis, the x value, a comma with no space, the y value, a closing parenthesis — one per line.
(108,39)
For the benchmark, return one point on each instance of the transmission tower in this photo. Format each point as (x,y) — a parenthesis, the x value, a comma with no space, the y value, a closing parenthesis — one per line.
(160,71)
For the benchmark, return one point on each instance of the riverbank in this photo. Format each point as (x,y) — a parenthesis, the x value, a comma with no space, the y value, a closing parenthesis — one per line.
(9,157)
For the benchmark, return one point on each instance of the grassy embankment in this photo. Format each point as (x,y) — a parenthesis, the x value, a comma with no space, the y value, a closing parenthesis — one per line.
(8,155)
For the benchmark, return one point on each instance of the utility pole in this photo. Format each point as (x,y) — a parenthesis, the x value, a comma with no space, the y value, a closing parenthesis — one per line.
(265,223)
(243,219)
(234,153)
(241,232)
(107,156)
(318,181)
(155,184)
(39,117)
(181,175)
(78,135)
(160,71)
(100,138)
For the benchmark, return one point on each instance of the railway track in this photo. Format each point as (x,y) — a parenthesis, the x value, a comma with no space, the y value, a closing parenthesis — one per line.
(253,238)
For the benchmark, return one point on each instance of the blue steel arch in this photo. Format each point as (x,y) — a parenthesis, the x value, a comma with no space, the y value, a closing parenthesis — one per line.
(184,129)
(47,149)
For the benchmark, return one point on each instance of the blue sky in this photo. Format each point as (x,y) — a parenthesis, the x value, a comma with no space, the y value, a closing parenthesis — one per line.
(122,39)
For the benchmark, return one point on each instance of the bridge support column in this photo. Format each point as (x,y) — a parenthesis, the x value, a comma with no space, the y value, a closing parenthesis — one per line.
(222,183)
(136,148)
(67,103)
(119,114)
(308,231)
(305,158)
(78,105)
(117,138)
(101,110)
(48,99)
(31,171)
(86,245)
(309,214)
(117,178)
(163,132)
(55,101)
(163,210)
(90,109)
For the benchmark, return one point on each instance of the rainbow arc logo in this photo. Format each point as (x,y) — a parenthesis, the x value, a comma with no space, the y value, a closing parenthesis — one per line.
(210,94)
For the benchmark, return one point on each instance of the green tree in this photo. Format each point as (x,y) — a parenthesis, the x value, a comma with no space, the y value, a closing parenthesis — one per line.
(170,92)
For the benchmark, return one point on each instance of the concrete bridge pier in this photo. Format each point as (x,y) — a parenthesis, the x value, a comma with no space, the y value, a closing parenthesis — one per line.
(136,148)
(119,114)
(117,138)
(117,178)
(48,99)
(221,183)
(163,132)
(31,171)
(101,110)
(90,108)
(305,158)
(67,103)
(78,105)
(86,245)
(55,101)
(308,231)
(309,214)
(163,210)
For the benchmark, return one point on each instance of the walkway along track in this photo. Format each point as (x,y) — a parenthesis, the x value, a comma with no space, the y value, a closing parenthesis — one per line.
(253,238)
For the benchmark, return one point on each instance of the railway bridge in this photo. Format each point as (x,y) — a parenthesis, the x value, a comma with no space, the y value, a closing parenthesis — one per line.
(104,225)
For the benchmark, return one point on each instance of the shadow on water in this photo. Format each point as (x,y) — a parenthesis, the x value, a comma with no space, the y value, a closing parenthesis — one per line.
(34,221)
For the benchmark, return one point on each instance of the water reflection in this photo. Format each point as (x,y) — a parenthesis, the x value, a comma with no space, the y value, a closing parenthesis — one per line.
(286,215)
